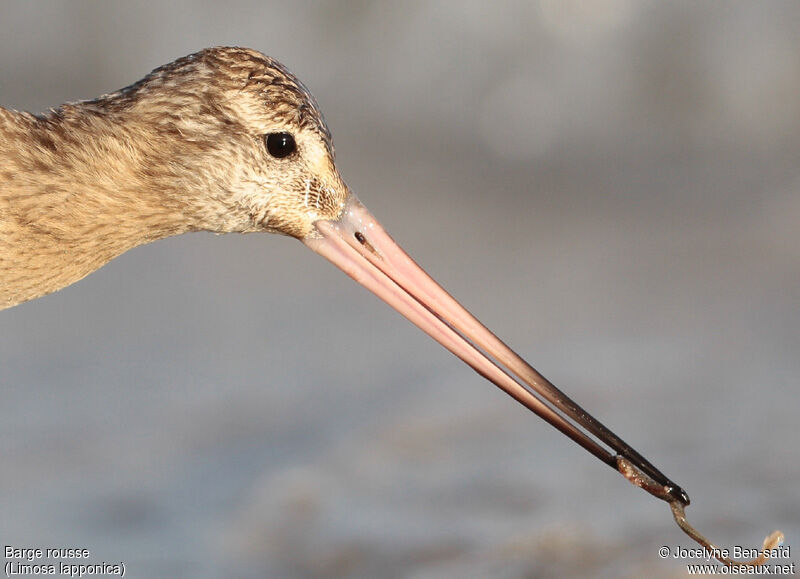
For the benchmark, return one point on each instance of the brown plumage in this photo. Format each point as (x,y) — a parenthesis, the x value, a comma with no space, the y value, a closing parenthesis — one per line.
(187,149)
(181,150)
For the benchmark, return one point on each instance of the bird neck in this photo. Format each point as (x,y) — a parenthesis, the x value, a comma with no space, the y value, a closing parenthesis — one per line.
(78,187)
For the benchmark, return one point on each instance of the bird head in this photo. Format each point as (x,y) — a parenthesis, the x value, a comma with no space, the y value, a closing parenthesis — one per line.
(248,150)
(248,147)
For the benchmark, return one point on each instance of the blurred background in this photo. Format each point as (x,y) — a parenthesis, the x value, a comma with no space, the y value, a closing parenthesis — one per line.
(611,186)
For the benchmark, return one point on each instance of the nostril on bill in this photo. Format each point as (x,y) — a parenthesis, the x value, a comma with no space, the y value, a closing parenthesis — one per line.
(363,241)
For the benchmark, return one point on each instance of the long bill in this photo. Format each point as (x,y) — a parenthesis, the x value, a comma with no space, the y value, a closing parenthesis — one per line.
(358,244)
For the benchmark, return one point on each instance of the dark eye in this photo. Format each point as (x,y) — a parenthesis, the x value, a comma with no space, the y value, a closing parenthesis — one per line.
(281,145)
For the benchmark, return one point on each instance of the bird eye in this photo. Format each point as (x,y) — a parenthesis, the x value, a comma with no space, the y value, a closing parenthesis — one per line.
(280,145)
